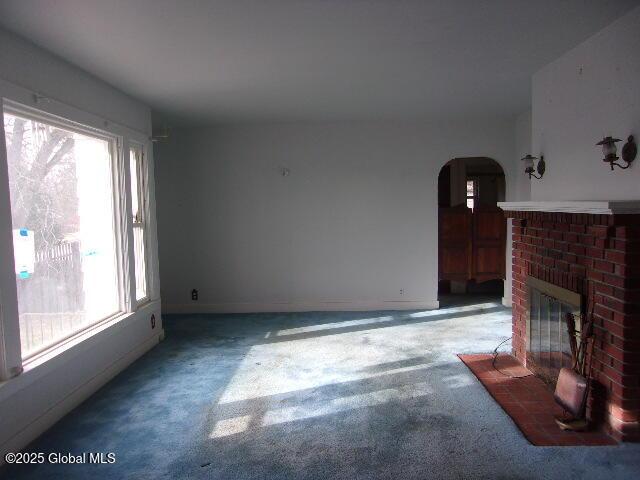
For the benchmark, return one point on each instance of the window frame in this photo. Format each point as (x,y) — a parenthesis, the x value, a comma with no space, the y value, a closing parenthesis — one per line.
(142,172)
(114,143)
(29,103)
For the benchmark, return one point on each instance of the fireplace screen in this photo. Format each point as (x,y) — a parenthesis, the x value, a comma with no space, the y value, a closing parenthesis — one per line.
(548,348)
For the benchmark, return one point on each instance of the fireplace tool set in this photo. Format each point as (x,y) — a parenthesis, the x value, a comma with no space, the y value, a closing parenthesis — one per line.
(572,388)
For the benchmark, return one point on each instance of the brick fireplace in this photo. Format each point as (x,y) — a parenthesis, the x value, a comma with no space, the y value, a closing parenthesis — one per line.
(592,249)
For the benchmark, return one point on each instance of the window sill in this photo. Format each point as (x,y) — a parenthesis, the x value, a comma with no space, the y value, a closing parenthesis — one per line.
(57,356)
(143,302)
(74,339)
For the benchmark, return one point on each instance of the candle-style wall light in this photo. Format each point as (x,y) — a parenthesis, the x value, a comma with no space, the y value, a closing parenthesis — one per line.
(529,169)
(629,151)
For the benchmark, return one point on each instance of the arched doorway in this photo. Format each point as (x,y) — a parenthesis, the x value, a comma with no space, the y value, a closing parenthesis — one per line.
(471,237)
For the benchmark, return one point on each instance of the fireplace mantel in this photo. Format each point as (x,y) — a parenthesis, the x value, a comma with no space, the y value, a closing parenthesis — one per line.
(594,207)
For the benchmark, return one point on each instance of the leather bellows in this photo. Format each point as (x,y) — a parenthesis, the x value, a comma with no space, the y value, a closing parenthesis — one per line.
(571,391)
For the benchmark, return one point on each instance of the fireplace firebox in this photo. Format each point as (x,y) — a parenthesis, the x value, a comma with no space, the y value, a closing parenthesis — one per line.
(548,347)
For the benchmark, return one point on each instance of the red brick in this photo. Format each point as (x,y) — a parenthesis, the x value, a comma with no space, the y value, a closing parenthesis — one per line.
(604,289)
(622,257)
(626,319)
(577,249)
(594,252)
(593,275)
(632,246)
(599,231)
(614,280)
(587,240)
(629,232)
(603,312)
(604,266)
(578,270)
(627,271)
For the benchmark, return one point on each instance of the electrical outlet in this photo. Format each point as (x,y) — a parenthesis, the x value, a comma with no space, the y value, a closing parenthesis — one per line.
(194,294)
(402,291)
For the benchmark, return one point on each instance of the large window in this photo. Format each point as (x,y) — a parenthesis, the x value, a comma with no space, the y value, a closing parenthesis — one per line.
(138,205)
(61,181)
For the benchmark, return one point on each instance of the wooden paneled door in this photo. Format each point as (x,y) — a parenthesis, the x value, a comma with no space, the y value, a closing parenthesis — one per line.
(488,244)
(471,245)
(454,245)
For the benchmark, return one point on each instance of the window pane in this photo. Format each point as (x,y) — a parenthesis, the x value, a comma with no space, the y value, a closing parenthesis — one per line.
(133,167)
(141,277)
(137,210)
(64,238)
(470,203)
(470,189)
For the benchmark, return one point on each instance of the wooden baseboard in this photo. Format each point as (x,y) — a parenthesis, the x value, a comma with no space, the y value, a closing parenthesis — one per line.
(274,307)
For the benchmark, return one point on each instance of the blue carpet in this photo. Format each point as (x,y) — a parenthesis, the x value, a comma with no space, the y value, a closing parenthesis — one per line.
(313,395)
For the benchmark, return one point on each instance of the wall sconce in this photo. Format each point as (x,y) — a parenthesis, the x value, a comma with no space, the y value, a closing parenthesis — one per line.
(629,151)
(528,166)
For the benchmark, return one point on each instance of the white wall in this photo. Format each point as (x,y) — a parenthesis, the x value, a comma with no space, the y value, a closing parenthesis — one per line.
(353,224)
(26,65)
(45,391)
(588,93)
(522,184)
(520,189)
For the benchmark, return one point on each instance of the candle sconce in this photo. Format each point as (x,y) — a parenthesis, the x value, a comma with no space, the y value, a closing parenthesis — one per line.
(529,169)
(629,151)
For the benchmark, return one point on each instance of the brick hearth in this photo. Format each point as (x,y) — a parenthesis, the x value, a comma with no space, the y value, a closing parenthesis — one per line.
(581,252)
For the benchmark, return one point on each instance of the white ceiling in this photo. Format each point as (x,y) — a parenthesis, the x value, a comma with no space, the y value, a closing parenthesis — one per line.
(229,60)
